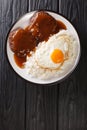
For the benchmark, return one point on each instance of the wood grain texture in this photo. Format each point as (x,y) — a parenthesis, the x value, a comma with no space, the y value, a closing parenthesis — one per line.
(12,88)
(22,107)
(41,107)
(41,101)
(74,104)
(43,4)
(27,106)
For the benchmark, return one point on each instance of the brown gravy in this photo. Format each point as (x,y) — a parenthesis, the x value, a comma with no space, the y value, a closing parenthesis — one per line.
(19,60)
(41,27)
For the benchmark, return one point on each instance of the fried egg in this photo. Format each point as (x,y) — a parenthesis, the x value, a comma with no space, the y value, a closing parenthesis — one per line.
(52,54)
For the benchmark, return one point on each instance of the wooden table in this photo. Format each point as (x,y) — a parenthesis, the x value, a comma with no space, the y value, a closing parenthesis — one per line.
(26,106)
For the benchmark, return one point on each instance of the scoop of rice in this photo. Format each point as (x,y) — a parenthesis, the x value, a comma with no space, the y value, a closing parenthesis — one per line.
(34,70)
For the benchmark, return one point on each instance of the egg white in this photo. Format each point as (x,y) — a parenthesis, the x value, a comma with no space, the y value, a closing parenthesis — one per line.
(45,49)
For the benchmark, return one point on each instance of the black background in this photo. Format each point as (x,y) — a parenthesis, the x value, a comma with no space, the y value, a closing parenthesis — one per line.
(26,106)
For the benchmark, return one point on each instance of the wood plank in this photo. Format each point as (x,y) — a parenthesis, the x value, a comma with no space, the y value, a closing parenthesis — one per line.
(35,106)
(41,107)
(41,101)
(43,4)
(72,92)
(12,87)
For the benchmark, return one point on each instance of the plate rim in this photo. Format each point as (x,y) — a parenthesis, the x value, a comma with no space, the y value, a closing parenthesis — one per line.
(63,77)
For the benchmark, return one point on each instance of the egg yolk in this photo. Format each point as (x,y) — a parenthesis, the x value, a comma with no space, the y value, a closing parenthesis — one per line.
(57,56)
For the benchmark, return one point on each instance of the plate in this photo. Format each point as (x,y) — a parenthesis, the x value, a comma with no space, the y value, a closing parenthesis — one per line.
(23,22)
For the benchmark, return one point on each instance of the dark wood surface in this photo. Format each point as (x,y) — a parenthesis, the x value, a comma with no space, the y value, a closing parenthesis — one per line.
(26,106)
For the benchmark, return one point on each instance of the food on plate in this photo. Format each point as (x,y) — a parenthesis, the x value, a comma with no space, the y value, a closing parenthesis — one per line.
(24,40)
(42,25)
(44,48)
(54,52)
(52,58)
(21,42)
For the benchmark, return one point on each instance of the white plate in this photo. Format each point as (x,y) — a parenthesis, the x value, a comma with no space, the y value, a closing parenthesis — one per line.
(23,22)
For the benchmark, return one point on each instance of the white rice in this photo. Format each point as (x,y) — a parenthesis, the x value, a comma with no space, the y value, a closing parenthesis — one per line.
(34,70)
